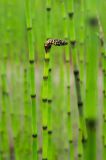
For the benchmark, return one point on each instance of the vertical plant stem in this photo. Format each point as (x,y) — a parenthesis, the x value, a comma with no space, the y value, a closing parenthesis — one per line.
(32,78)
(50,129)
(45,108)
(5,91)
(68,85)
(103,54)
(27,117)
(73,42)
(82,64)
(49,94)
(91,80)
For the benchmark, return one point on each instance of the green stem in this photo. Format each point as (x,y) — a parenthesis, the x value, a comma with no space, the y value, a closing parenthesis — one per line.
(73,42)
(45,108)
(91,81)
(68,85)
(32,78)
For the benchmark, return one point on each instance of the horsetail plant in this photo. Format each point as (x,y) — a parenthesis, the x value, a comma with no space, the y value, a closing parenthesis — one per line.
(49,99)
(72,38)
(91,80)
(68,85)
(82,62)
(82,48)
(45,95)
(32,78)
(26,116)
(103,54)
(46,107)
(5,91)
(59,127)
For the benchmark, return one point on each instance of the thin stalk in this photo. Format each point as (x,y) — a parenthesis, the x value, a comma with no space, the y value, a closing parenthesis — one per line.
(5,92)
(15,63)
(49,121)
(50,128)
(68,85)
(8,50)
(82,64)
(46,95)
(91,79)
(103,54)
(45,108)
(82,49)
(27,118)
(104,99)
(32,78)
(73,43)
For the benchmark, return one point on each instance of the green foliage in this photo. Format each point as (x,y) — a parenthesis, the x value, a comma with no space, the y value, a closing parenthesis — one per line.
(52,105)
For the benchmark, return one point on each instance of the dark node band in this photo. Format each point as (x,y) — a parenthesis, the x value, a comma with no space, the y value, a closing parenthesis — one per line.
(67,61)
(29,28)
(50,69)
(68,113)
(68,87)
(70,141)
(91,123)
(33,96)
(102,53)
(44,159)
(47,59)
(103,70)
(80,104)
(50,132)
(71,14)
(73,43)
(84,140)
(44,100)
(103,116)
(5,93)
(48,9)
(45,77)
(49,100)
(102,41)
(34,135)
(104,91)
(79,155)
(76,72)
(44,127)
(31,61)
